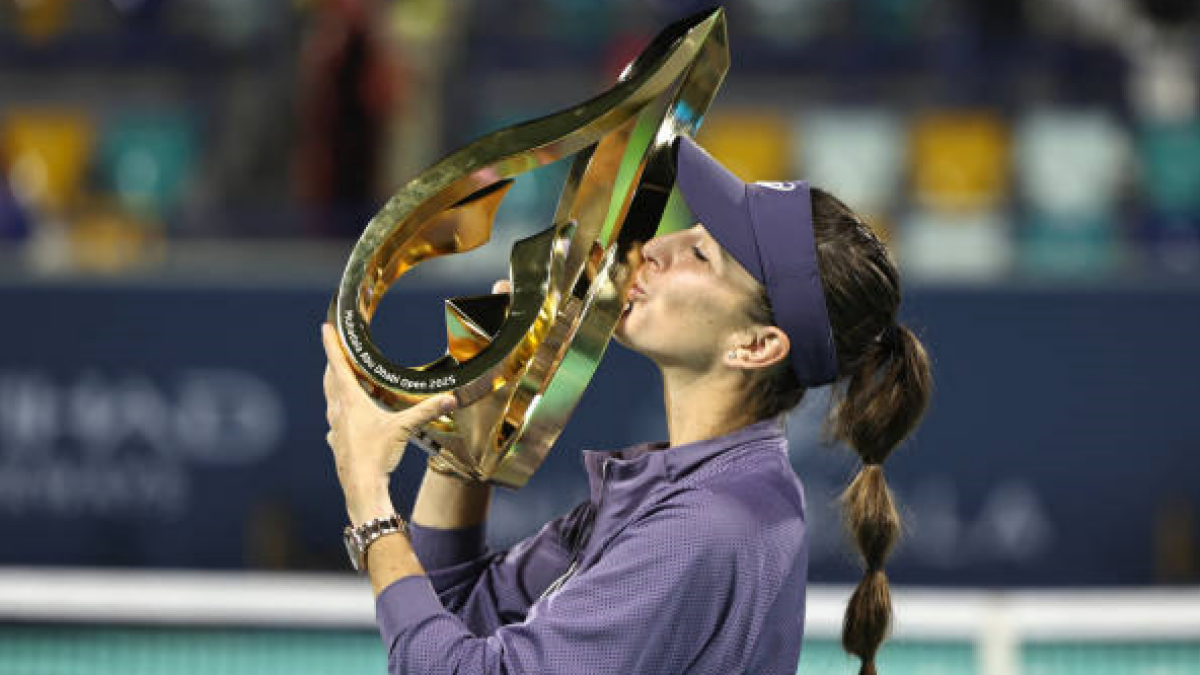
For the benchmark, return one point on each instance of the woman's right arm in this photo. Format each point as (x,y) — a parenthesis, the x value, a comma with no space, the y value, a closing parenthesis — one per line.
(445,502)
(448,525)
(485,589)
(449,503)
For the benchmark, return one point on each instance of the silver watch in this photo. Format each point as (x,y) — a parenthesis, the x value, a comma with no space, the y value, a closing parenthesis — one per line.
(358,539)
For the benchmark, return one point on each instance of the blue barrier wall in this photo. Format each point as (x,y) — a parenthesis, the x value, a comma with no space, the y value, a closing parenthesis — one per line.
(184,427)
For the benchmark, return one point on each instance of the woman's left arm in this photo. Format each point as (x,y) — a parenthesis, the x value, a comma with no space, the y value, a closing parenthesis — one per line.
(368,443)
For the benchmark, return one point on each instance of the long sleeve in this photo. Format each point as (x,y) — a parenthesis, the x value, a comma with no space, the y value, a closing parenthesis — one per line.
(676,590)
(486,589)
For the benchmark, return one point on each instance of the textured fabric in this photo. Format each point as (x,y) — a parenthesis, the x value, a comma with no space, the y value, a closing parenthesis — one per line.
(689,559)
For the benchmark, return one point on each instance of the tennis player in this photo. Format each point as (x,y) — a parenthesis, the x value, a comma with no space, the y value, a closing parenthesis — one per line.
(690,556)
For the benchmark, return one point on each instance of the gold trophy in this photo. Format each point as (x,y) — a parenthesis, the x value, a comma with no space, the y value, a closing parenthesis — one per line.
(518,362)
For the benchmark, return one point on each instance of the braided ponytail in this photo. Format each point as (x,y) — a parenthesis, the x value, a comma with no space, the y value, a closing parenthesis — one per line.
(883,401)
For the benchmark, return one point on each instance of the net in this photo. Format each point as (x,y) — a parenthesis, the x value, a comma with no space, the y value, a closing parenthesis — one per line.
(68,621)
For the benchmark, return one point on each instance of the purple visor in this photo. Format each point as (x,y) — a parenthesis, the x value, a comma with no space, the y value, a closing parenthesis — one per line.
(767,227)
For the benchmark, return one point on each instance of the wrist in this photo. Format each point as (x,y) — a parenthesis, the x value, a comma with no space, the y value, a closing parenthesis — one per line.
(439,466)
(368,499)
(360,539)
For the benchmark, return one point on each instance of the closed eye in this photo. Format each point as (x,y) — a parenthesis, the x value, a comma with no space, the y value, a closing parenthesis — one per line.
(699,253)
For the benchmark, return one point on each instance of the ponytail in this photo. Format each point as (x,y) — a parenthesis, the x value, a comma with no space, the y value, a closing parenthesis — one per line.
(883,401)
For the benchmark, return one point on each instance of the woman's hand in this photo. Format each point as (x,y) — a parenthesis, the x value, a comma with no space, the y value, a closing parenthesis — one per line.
(367,441)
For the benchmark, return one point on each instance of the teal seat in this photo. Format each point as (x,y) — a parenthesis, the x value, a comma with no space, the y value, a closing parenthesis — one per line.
(146,160)
(1169,153)
(1071,245)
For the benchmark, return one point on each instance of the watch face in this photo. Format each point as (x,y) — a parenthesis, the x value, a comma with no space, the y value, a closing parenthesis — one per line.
(353,549)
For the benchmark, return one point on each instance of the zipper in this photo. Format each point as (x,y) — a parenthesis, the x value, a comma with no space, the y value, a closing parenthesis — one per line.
(584,537)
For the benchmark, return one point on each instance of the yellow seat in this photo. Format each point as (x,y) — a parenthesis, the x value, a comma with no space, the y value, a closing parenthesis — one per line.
(753,145)
(45,154)
(960,161)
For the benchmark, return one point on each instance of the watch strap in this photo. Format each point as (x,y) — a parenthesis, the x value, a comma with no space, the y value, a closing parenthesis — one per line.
(359,539)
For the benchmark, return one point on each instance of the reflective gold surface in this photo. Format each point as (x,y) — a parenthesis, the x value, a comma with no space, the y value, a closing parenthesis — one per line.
(519,362)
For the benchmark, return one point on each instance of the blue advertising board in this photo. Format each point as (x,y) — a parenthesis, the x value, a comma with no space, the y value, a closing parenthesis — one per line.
(184,426)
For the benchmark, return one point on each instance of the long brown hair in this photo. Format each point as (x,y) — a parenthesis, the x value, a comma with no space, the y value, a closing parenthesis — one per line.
(883,391)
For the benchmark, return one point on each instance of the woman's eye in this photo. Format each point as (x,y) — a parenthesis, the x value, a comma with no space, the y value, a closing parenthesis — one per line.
(699,253)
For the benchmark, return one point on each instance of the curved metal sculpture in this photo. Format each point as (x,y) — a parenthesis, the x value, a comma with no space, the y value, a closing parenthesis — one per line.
(519,362)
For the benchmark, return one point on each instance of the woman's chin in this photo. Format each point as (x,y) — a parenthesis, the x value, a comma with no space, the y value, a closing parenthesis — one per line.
(619,334)
(629,331)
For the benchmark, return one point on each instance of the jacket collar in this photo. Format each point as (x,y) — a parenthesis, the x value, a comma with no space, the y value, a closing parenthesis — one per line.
(634,470)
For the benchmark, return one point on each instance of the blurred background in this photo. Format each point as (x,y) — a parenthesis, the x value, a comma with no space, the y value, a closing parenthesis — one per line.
(181,182)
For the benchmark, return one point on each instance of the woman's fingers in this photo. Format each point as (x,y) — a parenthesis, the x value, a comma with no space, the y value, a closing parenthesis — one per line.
(502,286)
(409,421)
(344,398)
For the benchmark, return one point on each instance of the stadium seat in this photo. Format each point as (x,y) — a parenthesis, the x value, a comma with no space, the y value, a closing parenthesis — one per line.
(1071,168)
(955,246)
(754,145)
(45,155)
(145,160)
(1071,163)
(1078,245)
(1169,154)
(858,154)
(960,160)
(1169,158)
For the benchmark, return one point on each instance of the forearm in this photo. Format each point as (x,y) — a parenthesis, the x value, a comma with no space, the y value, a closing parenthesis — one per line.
(448,503)
(389,560)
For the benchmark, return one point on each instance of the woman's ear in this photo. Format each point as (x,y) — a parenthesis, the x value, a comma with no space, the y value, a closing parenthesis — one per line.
(760,347)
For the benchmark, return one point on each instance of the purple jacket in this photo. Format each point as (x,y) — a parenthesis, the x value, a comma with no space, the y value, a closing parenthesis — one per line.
(686,559)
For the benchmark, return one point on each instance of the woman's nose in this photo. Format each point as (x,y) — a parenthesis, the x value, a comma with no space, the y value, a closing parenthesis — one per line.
(653,252)
(664,247)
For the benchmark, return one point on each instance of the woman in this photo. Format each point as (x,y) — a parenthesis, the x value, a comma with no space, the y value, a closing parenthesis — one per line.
(689,556)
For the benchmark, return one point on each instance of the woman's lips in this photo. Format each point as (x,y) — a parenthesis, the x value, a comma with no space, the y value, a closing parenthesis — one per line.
(634,294)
